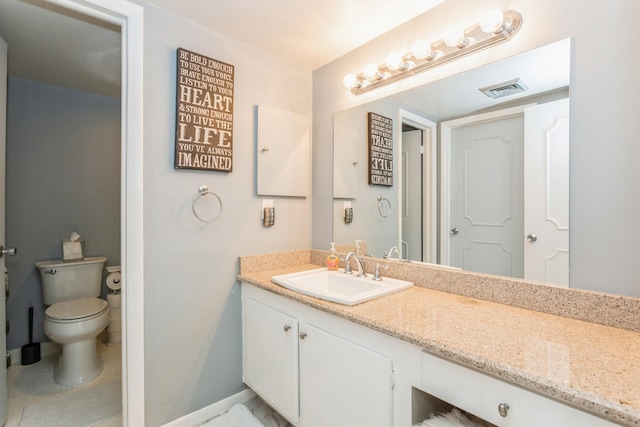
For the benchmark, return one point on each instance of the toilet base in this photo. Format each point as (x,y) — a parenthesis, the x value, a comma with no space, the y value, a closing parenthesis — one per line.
(78,363)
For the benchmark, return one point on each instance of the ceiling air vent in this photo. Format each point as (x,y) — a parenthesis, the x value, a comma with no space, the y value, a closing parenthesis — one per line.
(505,89)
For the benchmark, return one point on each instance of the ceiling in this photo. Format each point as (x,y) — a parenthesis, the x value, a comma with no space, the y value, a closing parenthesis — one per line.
(52,45)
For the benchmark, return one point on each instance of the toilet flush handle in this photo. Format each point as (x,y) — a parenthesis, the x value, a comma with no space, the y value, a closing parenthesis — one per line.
(52,271)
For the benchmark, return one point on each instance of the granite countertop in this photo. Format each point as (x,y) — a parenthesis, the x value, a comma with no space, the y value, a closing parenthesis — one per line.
(589,365)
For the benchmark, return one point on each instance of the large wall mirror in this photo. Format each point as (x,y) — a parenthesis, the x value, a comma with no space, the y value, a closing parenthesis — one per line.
(481,177)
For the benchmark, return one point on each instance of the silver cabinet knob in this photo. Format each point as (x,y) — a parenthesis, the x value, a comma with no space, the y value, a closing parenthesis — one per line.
(454,231)
(503,409)
(303,335)
(287,328)
(532,237)
(8,251)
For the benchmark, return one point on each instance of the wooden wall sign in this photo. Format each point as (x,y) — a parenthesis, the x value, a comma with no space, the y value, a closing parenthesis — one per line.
(380,150)
(204,113)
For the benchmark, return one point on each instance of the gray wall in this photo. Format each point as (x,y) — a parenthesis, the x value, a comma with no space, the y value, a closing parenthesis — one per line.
(604,97)
(63,175)
(192,318)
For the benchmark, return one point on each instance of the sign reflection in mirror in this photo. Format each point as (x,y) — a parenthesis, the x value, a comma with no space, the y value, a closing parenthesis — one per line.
(483,195)
(380,150)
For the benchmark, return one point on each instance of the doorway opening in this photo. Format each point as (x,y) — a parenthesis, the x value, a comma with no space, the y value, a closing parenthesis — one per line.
(129,18)
(418,221)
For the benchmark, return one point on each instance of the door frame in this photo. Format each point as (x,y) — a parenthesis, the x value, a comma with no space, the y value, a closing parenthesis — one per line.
(446,128)
(129,17)
(429,130)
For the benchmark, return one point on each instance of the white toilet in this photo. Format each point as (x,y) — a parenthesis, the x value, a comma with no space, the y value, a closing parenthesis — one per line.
(75,315)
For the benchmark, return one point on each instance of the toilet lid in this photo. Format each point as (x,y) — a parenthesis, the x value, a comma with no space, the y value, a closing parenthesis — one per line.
(76,309)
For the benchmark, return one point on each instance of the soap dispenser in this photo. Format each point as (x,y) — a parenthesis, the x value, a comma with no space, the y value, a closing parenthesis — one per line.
(333,262)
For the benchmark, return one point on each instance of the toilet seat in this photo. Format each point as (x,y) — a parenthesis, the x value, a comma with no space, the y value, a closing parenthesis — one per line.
(76,310)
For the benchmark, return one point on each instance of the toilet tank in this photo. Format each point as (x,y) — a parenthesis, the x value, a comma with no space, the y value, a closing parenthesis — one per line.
(63,281)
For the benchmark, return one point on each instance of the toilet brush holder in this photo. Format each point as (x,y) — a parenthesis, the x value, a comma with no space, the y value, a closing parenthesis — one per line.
(30,352)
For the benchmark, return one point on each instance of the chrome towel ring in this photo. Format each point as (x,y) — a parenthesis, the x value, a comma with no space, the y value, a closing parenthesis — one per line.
(203,190)
(384,206)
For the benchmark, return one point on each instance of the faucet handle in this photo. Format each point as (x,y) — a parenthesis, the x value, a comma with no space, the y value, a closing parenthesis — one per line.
(358,247)
(376,274)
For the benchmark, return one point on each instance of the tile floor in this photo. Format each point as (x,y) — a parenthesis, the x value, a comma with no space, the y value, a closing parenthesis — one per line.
(34,383)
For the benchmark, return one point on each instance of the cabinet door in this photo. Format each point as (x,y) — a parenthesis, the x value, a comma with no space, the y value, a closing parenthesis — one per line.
(270,356)
(345,156)
(283,152)
(341,383)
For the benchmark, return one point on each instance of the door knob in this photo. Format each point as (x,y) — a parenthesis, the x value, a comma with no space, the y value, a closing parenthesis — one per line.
(532,237)
(8,251)
(454,231)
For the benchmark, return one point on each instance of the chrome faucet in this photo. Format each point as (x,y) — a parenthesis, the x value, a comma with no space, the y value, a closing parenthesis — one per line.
(387,255)
(359,264)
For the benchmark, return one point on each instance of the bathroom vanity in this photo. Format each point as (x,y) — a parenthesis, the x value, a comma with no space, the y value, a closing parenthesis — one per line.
(394,360)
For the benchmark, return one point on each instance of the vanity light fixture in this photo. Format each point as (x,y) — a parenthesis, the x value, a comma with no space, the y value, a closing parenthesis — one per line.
(494,27)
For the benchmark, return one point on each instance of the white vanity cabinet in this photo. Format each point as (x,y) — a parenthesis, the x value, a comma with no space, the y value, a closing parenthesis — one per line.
(317,369)
(496,401)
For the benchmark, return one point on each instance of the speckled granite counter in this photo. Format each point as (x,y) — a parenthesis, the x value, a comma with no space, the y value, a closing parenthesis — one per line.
(589,365)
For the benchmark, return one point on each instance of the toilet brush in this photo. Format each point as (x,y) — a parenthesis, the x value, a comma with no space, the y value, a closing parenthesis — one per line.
(31,351)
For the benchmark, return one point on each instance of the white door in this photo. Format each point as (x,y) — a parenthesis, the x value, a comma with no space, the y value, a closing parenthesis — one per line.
(486,197)
(412,195)
(3,308)
(546,177)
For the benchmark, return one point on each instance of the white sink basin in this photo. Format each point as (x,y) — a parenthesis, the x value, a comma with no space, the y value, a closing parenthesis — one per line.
(339,287)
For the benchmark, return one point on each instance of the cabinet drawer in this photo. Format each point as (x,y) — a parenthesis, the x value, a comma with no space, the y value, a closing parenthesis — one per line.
(481,394)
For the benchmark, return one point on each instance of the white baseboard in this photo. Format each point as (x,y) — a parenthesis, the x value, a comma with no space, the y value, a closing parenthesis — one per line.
(46,348)
(202,415)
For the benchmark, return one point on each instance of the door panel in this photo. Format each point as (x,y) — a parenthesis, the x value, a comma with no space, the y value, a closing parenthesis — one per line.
(486,197)
(547,188)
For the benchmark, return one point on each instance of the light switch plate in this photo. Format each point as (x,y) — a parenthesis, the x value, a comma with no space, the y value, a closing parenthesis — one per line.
(266,203)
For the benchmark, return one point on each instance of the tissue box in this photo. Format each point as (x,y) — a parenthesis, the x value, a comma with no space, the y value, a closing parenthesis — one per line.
(72,250)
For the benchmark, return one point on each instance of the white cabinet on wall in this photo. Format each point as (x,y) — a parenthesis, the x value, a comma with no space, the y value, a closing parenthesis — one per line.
(283,147)
(342,382)
(346,159)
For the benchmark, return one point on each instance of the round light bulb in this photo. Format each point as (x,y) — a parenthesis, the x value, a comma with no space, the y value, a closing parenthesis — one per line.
(350,81)
(421,49)
(371,72)
(492,21)
(395,61)
(454,36)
